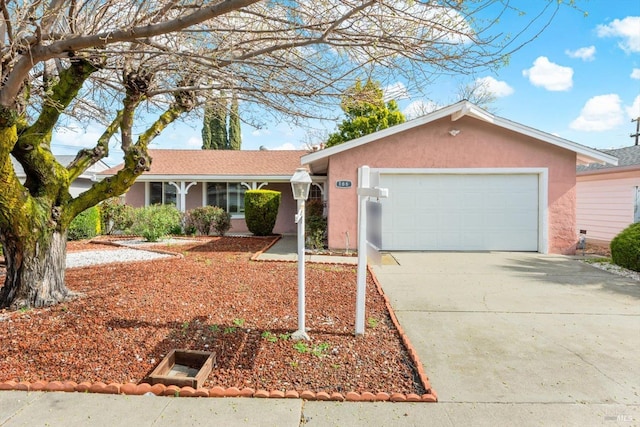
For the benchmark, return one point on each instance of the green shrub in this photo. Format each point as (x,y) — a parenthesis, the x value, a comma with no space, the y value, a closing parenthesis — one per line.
(315,224)
(86,225)
(625,248)
(206,219)
(222,222)
(261,211)
(115,216)
(156,221)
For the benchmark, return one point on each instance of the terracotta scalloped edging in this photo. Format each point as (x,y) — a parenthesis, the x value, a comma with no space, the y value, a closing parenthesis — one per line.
(266,248)
(217,391)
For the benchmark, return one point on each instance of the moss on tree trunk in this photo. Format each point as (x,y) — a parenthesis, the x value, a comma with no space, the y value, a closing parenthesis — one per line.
(35,271)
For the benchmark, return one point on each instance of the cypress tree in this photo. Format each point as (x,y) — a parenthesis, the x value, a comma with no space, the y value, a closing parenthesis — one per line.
(214,130)
(206,129)
(235,137)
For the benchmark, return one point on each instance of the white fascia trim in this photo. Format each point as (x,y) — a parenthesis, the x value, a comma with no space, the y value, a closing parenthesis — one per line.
(584,154)
(543,211)
(543,189)
(459,171)
(468,109)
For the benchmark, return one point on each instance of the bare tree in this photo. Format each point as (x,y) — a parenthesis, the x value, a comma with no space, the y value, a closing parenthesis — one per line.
(477,92)
(120,62)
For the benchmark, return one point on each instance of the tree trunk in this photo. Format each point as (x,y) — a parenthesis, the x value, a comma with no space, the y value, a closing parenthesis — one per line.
(35,271)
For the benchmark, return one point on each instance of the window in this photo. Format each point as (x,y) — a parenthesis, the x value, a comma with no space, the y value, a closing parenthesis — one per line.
(162,193)
(636,209)
(227,195)
(315,192)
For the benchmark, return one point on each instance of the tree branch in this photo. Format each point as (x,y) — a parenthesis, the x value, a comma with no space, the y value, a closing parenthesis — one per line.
(12,197)
(39,53)
(32,147)
(87,158)
(136,161)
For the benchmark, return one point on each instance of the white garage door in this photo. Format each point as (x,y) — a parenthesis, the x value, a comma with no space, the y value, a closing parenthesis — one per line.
(460,212)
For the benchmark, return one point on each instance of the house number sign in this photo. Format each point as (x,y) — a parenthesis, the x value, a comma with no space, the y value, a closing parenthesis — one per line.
(343,184)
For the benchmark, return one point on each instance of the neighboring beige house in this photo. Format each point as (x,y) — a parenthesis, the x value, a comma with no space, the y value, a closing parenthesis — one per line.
(80,184)
(608,197)
(459,178)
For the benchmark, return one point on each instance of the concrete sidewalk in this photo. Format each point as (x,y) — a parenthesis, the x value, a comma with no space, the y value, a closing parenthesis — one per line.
(59,409)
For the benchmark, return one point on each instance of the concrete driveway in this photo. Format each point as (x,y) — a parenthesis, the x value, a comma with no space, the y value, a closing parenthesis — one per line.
(520,328)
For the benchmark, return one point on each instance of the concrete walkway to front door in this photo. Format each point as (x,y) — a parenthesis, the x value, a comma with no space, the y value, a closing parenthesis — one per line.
(521,328)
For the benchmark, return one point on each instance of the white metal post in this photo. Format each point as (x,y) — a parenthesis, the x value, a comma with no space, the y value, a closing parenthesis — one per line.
(301,333)
(363,182)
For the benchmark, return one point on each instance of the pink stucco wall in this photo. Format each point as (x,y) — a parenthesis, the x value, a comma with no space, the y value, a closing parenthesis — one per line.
(478,145)
(135,196)
(194,196)
(284,223)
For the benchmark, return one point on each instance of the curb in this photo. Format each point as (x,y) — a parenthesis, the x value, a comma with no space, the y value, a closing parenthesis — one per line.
(132,389)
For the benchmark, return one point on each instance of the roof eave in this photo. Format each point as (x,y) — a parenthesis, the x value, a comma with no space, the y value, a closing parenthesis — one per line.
(610,170)
(457,111)
(164,178)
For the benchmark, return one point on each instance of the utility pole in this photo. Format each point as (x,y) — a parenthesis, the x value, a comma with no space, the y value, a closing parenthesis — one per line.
(637,134)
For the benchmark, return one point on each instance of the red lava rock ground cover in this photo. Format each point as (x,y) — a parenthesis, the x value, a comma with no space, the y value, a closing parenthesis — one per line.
(213,298)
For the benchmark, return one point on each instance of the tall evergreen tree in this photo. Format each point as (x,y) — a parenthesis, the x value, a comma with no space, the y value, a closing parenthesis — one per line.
(214,127)
(206,129)
(235,137)
(366,113)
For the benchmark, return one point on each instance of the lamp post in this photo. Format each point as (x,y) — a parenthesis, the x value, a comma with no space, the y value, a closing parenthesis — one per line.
(300,185)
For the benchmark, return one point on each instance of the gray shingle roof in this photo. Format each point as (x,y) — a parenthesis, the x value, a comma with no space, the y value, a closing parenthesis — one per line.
(627,156)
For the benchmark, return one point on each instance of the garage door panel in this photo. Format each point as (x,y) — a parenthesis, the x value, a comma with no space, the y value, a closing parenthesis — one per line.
(460,212)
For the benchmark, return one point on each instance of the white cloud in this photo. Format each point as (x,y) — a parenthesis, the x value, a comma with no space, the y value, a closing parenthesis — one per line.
(548,75)
(584,53)
(635,74)
(193,141)
(634,109)
(74,136)
(285,146)
(261,132)
(628,29)
(600,113)
(395,91)
(419,108)
(498,88)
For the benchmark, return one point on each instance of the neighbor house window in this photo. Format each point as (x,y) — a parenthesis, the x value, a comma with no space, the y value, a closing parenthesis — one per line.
(227,195)
(636,209)
(162,193)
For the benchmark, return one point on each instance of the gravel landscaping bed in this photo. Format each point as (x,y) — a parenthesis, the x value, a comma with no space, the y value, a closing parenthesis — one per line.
(211,298)
(107,256)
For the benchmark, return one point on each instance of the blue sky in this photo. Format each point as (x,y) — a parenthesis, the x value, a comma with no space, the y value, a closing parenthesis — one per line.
(580,80)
